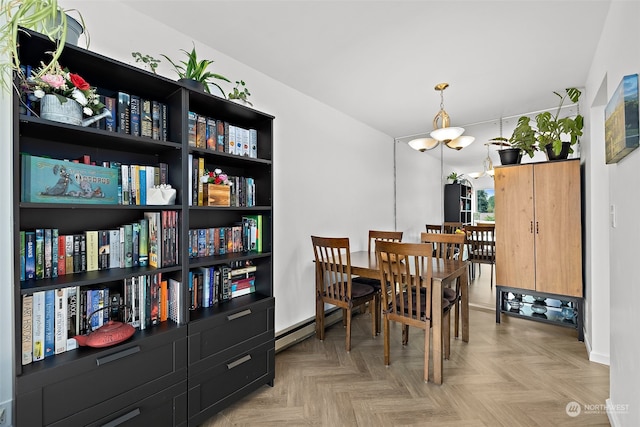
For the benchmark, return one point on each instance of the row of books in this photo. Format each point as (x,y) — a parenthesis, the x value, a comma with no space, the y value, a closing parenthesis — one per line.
(52,319)
(246,236)
(134,181)
(136,116)
(81,180)
(242,189)
(151,241)
(218,135)
(210,285)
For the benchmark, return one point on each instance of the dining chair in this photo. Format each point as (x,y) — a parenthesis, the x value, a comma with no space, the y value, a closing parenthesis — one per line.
(334,285)
(481,245)
(407,292)
(374,236)
(434,228)
(449,227)
(448,246)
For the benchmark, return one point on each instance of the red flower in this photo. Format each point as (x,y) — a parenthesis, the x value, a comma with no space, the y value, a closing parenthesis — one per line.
(217,180)
(79,82)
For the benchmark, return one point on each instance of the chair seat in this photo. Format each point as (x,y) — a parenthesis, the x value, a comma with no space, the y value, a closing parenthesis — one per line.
(450,294)
(374,283)
(359,290)
(445,303)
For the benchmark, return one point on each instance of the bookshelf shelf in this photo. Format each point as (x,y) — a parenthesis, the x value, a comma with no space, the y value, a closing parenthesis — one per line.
(163,367)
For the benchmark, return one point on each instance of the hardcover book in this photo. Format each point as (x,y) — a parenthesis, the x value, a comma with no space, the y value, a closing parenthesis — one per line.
(154,238)
(49,322)
(54,253)
(38,326)
(27,331)
(30,255)
(201,132)
(60,329)
(134,115)
(22,255)
(48,254)
(124,112)
(211,134)
(39,253)
(164,122)
(253,143)
(146,121)
(47,180)
(143,240)
(62,258)
(73,320)
(91,237)
(110,121)
(192,128)
(69,252)
(220,135)
(155,120)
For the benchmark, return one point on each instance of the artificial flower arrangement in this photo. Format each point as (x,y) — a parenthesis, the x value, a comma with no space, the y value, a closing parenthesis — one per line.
(215,177)
(64,85)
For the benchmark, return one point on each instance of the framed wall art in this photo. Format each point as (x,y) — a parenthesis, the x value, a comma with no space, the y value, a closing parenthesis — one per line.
(621,117)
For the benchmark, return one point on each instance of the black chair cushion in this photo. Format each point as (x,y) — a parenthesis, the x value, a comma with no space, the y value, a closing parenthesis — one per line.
(359,290)
(374,283)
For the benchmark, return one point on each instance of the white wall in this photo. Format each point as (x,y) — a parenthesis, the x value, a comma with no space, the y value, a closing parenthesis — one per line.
(332,175)
(617,55)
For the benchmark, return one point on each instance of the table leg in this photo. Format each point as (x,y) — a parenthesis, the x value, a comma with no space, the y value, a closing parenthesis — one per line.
(464,296)
(436,314)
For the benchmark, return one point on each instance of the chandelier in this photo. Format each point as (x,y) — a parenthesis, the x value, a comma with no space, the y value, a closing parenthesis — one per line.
(442,133)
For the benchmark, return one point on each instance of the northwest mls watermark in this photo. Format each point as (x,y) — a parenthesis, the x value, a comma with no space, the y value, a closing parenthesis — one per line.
(573,409)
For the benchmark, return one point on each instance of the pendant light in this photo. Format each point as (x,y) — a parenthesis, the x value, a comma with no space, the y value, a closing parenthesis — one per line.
(442,132)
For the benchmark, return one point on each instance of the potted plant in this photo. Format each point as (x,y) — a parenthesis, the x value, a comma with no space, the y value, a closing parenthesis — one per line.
(194,70)
(551,128)
(241,93)
(146,60)
(522,141)
(43,16)
(453,177)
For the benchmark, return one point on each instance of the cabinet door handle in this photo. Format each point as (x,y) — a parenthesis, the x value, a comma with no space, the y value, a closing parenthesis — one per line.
(536,227)
(123,418)
(115,356)
(531,227)
(239,361)
(239,314)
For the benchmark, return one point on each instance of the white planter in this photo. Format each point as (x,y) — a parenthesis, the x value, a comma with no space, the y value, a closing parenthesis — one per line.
(69,112)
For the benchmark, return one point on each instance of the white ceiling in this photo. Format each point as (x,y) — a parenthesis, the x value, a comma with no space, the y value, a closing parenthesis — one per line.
(378,61)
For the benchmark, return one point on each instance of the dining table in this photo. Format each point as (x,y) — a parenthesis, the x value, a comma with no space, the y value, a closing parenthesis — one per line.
(445,272)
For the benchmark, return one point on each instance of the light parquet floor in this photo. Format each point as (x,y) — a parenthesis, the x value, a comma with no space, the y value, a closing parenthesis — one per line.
(517,373)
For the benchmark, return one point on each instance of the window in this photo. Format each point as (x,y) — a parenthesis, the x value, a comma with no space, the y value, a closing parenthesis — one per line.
(485,203)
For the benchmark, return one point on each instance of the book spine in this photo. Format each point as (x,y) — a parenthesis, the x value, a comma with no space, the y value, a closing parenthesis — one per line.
(27,329)
(192,128)
(164,173)
(38,326)
(200,183)
(39,253)
(60,338)
(104,251)
(30,255)
(220,135)
(110,121)
(135,240)
(55,241)
(164,122)
(22,255)
(232,139)
(83,253)
(49,322)
(68,253)
(48,256)
(155,120)
(164,300)
(201,131)
(211,134)
(128,245)
(146,121)
(92,248)
(73,320)
(143,243)
(142,184)
(124,112)
(134,114)
(253,143)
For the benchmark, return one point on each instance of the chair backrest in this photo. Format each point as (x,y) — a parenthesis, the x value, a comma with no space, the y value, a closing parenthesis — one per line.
(447,246)
(481,243)
(401,280)
(385,236)
(449,227)
(434,228)
(333,268)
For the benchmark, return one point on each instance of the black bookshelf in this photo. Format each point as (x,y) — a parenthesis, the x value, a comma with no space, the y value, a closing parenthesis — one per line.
(160,375)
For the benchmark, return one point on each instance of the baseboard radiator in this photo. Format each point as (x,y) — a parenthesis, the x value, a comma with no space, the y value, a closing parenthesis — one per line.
(305,329)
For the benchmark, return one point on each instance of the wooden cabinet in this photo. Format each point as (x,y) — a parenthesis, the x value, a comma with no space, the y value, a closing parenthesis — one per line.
(539,228)
(150,378)
(457,203)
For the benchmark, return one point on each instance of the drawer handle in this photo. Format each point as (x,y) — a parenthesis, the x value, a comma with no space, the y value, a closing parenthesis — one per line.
(239,361)
(123,418)
(239,314)
(115,356)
